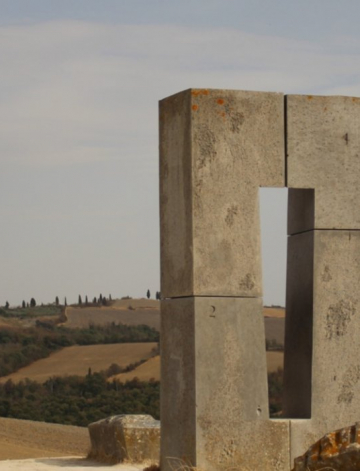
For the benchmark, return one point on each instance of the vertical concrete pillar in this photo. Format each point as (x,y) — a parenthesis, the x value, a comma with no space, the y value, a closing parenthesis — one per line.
(216,148)
(322,373)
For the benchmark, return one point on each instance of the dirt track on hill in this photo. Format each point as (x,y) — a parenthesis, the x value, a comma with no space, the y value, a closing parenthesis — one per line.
(21,439)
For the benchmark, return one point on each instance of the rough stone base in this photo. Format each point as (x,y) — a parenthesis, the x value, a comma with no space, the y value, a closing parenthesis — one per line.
(132,438)
(339,450)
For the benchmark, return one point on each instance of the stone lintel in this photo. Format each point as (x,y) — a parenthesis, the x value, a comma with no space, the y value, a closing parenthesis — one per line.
(323,142)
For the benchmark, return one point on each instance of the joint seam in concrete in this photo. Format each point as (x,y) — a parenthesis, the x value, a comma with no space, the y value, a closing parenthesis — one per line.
(211,296)
(323,230)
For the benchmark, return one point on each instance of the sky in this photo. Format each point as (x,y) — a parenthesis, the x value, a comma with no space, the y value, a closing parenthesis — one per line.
(80,82)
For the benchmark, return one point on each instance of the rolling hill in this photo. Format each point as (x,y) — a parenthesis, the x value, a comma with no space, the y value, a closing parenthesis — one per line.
(147,311)
(21,439)
(151,368)
(77,360)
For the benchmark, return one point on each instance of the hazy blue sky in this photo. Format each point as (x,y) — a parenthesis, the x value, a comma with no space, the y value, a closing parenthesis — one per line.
(80,82)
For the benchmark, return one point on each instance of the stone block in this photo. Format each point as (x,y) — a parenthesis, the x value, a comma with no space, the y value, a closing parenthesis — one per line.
(132,438)
(213,377)
(217,147)
(323,353)
(323,143)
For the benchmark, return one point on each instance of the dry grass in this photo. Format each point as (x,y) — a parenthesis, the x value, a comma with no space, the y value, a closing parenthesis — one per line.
(141,303)
(76,360)
(278,312)
(147,311)
(151,368)
(275,329)
(148,370)
(24,439)
(86,316)
(275,360)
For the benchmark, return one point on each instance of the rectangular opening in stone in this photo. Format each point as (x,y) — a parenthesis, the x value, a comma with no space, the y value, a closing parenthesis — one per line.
(287,267)
(273,219)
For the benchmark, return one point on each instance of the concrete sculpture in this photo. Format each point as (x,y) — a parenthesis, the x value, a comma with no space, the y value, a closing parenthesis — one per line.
(217,147)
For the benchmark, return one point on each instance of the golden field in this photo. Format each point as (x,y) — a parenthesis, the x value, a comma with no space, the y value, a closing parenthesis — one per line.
(77,360)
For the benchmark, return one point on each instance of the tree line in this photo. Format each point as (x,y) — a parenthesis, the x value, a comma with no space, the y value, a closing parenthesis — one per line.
(75,400)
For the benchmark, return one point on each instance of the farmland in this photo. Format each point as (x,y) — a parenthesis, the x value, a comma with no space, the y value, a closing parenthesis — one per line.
(148,370)
(81,361)
(76,360)
(144,311)
(87,316)
(151,368)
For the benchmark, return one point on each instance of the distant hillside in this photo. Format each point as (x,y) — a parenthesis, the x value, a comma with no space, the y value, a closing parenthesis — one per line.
(148,370)
(77,360)
(151,368)
(124,311)
(147,311)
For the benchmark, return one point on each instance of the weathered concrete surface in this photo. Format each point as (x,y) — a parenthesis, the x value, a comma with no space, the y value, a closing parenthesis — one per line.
(338,450)
(252,445)
(322,372)
(216,148)
(131,438)
(213,377)
(323,142)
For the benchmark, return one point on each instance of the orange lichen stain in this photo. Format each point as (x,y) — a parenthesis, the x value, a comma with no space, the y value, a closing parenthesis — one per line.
(202,91)
(223,114)
(310,97)
(325,109)
(195,107)
(220,101)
